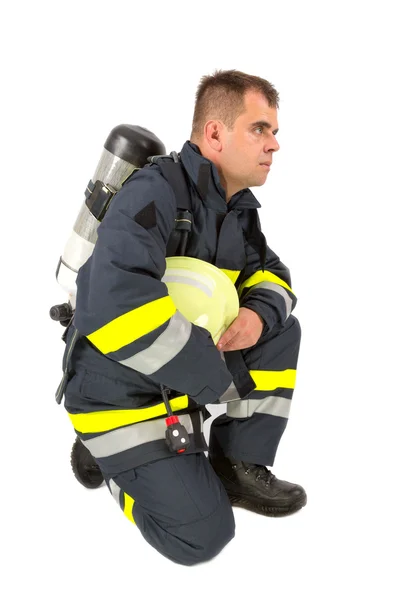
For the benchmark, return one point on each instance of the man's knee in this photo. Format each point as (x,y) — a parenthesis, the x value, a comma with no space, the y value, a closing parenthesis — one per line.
(181,507)
(193,543)
(294,325)
(294,321)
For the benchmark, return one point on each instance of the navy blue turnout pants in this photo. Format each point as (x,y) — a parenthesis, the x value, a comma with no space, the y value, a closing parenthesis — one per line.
(177,501)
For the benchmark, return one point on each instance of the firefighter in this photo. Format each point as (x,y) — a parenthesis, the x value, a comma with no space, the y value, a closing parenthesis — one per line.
(132,339)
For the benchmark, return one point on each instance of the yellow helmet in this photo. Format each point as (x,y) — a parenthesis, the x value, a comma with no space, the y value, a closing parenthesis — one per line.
(202,293)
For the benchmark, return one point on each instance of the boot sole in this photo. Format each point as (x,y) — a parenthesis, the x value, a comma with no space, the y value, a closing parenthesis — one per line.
(267,511)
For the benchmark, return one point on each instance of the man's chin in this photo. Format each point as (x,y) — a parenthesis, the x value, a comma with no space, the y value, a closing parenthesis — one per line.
(259,181)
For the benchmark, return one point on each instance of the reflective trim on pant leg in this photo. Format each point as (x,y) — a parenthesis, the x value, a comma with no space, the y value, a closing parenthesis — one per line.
(115,491)
(119,440)
(128,502)
(271,405)
(104,420)
(128,507)
(164,349)
(266,381)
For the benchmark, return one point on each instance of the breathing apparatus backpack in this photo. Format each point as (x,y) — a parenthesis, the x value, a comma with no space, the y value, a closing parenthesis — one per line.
(127,149)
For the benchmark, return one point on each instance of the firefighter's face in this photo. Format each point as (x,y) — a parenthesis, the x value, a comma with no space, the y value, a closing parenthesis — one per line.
(247,150)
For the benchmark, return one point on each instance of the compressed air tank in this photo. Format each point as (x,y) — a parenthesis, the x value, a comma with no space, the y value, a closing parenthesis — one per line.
(127,148)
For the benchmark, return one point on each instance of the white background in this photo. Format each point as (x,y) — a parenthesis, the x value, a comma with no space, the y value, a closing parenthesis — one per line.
(70,73)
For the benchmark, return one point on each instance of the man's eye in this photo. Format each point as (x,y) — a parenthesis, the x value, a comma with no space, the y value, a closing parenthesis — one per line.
(259,129)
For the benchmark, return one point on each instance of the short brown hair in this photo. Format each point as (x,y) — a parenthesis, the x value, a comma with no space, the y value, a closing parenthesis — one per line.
(221,96)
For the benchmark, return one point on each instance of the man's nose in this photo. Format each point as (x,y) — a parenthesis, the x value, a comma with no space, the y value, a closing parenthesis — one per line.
(272,145)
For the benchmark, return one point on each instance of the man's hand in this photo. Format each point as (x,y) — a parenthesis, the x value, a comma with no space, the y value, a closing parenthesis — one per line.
(244,332)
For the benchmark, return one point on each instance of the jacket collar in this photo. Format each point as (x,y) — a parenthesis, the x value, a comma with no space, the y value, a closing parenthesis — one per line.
(197,167)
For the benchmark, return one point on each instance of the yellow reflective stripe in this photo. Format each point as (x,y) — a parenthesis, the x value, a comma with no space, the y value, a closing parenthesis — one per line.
(233,275)
(270,380)
(128,507)
(266,276)
(132,325)
(105,420)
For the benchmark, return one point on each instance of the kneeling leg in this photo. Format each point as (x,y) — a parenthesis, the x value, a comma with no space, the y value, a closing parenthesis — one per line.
(179,506)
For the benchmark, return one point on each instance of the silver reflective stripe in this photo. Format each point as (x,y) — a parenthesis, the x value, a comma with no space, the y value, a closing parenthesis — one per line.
(164,349)
(271,405)
(268,285)
(114,489)
(134,435)
(230,394)
(188,281)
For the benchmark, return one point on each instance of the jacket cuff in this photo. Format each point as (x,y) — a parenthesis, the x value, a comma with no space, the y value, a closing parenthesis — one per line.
(197,370)
(210,395)
(267,313)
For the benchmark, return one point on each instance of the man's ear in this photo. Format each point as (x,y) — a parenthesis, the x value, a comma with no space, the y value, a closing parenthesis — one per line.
(213,135)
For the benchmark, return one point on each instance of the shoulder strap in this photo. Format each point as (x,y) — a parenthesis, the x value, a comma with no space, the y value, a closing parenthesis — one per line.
(173,171)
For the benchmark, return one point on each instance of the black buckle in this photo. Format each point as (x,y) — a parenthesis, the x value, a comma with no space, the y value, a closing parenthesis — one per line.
(173,155)
(98,198)
(183,221)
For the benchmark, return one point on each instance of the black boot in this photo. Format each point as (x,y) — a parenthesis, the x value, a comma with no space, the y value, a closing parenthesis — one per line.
(85,468)
(254,487)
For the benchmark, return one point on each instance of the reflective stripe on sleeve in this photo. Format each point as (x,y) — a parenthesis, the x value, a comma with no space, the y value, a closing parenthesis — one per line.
(260,276)
(267,285)
(168,344)
(132,325)
(230,394)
